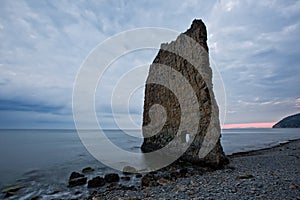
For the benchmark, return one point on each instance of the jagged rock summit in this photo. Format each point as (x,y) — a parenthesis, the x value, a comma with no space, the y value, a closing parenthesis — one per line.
(180,110)
(292,121)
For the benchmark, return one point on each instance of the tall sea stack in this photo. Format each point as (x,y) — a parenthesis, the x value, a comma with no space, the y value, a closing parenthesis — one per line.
(180,110)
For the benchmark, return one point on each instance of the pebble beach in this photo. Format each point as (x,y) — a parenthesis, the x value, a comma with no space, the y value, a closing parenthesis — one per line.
(271,173)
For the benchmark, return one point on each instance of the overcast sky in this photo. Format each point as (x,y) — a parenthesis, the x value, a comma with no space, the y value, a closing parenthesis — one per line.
(254,45)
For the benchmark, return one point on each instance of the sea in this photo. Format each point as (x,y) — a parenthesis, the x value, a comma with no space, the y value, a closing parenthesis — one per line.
(42,160)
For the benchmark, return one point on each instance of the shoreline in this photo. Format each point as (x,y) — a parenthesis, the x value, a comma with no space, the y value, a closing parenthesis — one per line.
(268,173)
(257,151)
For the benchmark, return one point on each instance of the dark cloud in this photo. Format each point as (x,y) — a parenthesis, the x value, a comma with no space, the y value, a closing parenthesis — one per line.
(254,45)
(23,105)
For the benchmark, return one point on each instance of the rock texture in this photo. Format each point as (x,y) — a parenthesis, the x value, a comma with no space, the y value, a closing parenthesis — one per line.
(77,179)
(188,57)
(111,178)
(96,182)
(292,121)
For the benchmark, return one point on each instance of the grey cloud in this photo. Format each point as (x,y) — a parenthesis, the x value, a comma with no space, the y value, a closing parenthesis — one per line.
(253,43)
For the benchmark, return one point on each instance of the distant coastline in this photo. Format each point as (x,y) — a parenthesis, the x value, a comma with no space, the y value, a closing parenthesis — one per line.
(292,121)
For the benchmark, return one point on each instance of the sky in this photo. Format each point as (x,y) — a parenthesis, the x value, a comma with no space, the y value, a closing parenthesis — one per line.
(254,46)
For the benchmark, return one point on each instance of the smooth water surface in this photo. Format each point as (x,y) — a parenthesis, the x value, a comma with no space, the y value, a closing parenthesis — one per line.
(44,159)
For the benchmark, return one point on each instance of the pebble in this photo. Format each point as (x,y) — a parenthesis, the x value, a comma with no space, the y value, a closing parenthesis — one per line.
(267,174)
(293,187)
(245,176)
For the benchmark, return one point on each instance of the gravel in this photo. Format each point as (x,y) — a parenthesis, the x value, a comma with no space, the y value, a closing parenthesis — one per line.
(264,174)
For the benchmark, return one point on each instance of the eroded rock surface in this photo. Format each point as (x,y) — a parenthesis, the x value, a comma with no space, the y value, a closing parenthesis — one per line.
(179,101)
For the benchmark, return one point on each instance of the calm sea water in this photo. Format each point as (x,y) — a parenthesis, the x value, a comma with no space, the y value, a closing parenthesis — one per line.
(43,159)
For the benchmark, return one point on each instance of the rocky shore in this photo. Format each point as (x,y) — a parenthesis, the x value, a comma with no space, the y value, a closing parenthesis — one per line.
(271,173)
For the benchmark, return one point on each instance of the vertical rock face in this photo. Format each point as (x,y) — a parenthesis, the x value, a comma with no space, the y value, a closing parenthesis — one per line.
(179,101)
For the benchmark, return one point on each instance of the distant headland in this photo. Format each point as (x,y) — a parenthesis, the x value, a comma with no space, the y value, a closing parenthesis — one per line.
(292,121)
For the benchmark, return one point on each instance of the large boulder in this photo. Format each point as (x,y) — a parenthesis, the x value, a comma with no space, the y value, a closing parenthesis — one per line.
(96,182)
(190,116)
(77,179)
(112,177)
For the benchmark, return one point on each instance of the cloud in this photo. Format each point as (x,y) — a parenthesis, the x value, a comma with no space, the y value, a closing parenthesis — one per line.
(253,48)
(229,5)
(43,44)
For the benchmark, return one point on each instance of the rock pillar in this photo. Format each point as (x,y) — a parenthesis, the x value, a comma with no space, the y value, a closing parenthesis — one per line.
(180,103)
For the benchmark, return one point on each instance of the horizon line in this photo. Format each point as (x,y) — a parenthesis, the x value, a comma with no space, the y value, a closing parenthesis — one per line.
(225,126)
(249,125)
